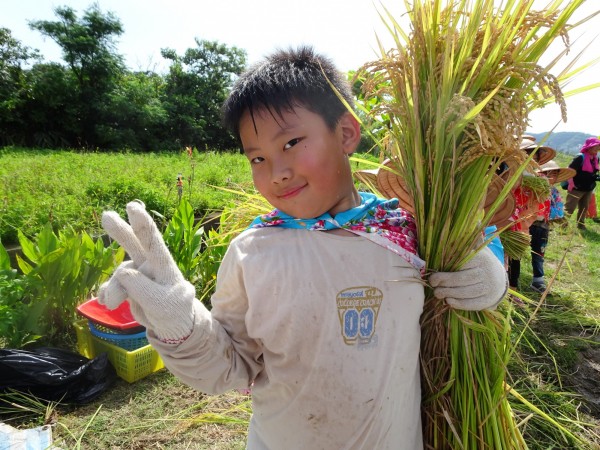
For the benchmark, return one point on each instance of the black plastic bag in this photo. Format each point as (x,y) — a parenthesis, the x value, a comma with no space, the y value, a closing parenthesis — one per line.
(55,374)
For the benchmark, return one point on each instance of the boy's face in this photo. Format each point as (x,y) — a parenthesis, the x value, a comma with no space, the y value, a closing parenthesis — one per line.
(298,164)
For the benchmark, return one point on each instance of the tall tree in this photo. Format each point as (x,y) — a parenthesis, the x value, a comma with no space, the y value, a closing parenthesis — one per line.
(138,116)
(13,55)
(50,112)
(88,46)
(197,85)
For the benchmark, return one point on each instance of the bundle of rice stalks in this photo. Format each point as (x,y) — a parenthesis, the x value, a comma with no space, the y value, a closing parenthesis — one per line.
(539,187)
(516,243)
(455,93)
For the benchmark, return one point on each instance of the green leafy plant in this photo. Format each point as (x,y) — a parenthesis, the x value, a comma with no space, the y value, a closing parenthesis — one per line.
(62,271)
(216,243)
(13,310)
(183,237)
(197,250)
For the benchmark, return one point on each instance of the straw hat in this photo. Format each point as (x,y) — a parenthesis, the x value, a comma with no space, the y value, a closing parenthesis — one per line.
(508,167)
(367,176)
(503,214)
(543,154)
(392,185)
(564,173)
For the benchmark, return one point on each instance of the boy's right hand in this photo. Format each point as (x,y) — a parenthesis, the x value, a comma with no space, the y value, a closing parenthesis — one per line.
(160,298)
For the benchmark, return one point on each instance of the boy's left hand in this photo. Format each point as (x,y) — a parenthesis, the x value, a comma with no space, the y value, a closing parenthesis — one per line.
(481,284)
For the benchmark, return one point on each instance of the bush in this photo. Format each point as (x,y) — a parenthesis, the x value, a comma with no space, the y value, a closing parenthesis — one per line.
(120,192)
(57,273)
(13,311)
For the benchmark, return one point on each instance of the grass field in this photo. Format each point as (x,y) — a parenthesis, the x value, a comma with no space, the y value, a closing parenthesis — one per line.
(73,188)
(556,366)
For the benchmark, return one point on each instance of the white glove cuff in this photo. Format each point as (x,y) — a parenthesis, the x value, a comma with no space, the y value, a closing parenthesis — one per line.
(172,331)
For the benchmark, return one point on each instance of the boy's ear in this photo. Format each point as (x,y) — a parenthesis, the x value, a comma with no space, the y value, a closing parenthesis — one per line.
(350,131)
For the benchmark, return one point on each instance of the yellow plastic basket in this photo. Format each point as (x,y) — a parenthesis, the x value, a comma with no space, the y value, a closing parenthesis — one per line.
(130,365)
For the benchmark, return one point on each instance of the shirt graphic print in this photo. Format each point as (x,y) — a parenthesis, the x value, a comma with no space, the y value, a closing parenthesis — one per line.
(358,308)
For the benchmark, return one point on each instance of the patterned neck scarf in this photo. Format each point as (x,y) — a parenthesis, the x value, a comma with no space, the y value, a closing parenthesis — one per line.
(380,221)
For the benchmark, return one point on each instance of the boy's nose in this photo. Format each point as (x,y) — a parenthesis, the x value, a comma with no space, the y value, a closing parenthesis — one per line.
(280,172)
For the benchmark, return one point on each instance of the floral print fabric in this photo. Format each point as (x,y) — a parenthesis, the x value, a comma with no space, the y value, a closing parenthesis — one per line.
(378,220)
(557,207)
(522,197)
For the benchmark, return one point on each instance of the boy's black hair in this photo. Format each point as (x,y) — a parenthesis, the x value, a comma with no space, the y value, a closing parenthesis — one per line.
(288,78)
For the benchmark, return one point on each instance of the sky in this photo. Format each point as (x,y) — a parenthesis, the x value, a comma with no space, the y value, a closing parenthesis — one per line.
(345,30)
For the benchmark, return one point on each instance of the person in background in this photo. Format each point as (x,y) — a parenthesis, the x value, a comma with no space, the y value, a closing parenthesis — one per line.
(317,304)
(527,211)
(548,210)
(557,206)
(523,216)
(581,186)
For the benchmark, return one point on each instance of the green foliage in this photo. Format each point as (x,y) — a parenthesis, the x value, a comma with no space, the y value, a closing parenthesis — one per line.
(13,309)
(138,116)
(93,102)
(62,271)
(184,239)
(196,248)
(12,85)
(122,191)
(89,51)
(192,113)
(216,243)
(72,189)
(57,272)
(50,111)
(372,131)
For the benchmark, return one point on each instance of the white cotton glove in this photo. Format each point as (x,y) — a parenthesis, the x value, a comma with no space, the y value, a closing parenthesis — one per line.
(160,298)
(481,284)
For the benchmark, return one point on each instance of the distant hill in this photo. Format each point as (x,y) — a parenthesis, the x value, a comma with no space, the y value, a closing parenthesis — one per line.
(568,142)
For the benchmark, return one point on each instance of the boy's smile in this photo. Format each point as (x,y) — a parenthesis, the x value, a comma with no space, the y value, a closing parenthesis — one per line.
(298,163)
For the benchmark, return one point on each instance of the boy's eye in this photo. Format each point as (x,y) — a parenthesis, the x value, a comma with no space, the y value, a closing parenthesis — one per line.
(256,160)
(291,143)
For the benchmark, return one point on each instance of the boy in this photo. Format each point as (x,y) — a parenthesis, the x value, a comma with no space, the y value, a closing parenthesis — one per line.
(311,310)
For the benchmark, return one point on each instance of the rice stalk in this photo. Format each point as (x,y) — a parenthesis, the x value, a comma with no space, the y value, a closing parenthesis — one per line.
(18,405)
(539,186)
(456,92)
(515,243)
(236,217)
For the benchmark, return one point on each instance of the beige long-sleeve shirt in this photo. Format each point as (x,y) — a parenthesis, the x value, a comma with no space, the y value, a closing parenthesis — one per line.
(326,330)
